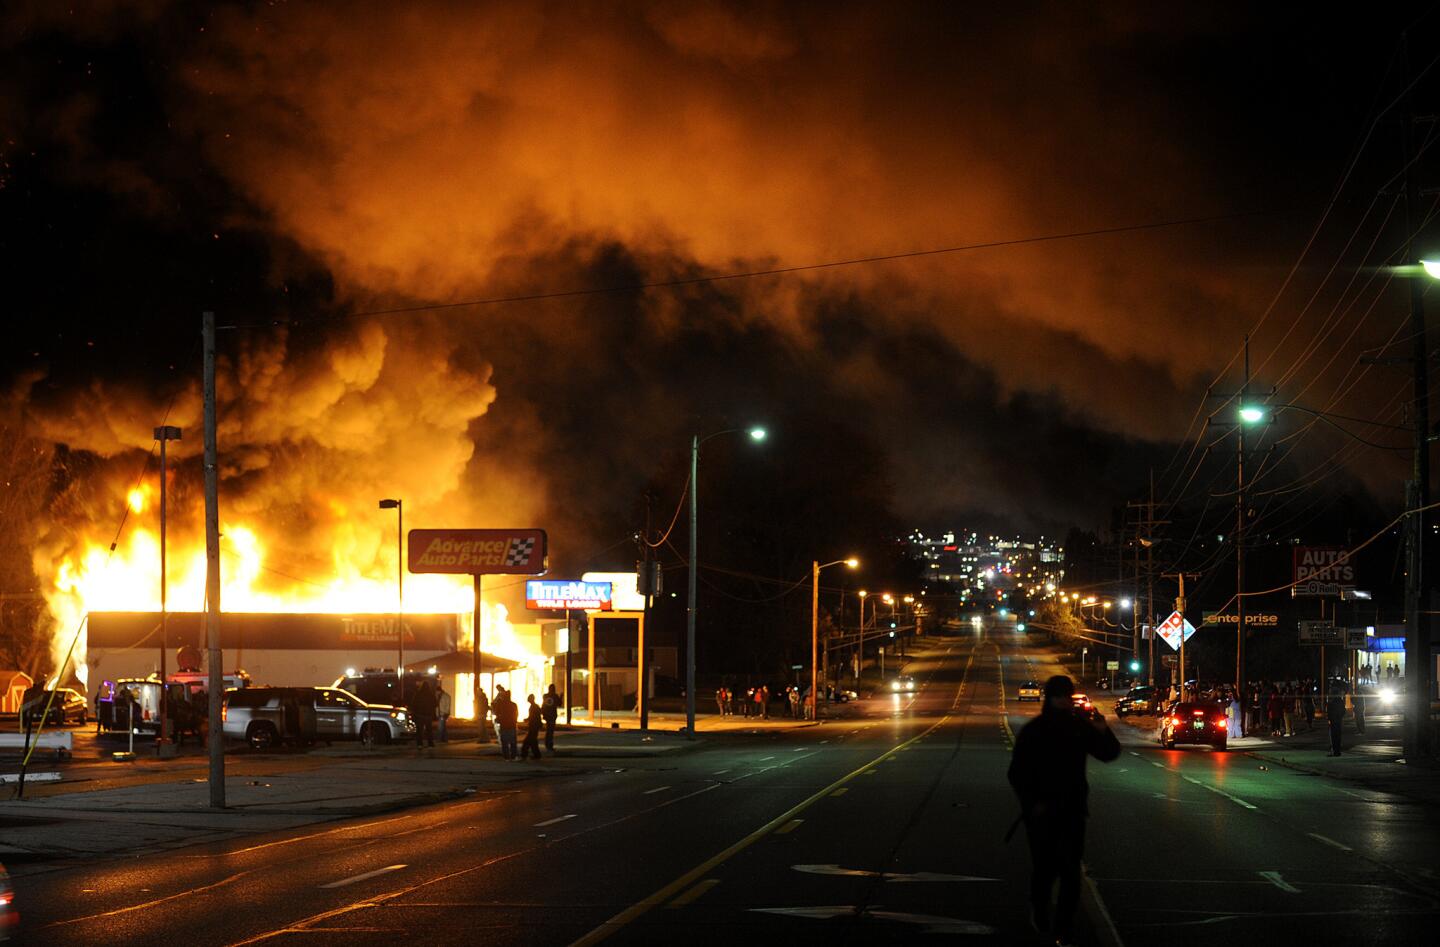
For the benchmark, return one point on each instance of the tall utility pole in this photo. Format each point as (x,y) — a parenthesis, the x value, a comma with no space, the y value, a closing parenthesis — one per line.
(1145,537)
(1245,414)
(212,571)
(1150,579)
(164,434)
(690,602)
(1239,532)
(1417,626)
(1180,607)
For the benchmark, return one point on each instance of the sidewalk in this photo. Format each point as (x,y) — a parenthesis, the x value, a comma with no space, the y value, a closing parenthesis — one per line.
(103,809)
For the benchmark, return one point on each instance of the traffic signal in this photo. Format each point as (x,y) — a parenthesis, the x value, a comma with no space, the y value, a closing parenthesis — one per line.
(1134,665)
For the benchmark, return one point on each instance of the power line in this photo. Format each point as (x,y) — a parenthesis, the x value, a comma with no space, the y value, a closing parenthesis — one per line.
(771,271)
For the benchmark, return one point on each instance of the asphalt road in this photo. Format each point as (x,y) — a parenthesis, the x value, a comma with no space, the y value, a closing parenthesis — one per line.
(886,826)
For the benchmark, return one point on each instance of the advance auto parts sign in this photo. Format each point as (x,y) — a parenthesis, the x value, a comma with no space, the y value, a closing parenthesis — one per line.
(479,551)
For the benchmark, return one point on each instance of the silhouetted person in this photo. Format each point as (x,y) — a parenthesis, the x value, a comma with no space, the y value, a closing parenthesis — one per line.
(443,705)
(422,708)
(549,710)
(1335,715)
(507,718)
(1047,771)
(532,730)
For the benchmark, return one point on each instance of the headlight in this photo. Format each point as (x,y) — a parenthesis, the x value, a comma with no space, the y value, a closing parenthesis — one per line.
(1387,696)
(894,685)
(398,714)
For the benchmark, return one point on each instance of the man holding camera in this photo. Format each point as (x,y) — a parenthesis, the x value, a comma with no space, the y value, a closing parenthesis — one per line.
(1047,771)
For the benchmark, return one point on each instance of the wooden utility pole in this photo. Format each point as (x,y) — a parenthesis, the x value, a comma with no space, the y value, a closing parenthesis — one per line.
(1145,537)
(215,668)
(1180,607)
(1417,624)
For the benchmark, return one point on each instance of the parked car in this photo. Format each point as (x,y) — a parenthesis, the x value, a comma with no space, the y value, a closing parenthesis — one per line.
(1197,722)
(1029,690)
(68,706)
(1140,700)
(9,917)
(264,717)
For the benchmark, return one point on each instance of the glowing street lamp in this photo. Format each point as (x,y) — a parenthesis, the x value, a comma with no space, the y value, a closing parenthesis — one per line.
(1252,414)
(399,507)
(757,434)
(815,567)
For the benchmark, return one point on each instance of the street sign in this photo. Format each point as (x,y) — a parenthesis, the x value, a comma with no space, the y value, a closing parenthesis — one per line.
(1356,638)
(1170,630)
(479,551)
(1112,665)
(568,593)
(1170,660)
(1322,633)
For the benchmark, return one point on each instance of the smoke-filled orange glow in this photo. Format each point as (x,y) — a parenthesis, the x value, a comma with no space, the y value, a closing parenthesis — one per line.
(129,580)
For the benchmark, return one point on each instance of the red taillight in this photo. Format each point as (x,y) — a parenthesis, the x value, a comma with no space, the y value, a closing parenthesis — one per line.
(1197,713)
(1221,723)
(1175,721)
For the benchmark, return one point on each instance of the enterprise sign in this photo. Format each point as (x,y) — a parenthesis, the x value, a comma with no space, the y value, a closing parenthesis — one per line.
(577,594)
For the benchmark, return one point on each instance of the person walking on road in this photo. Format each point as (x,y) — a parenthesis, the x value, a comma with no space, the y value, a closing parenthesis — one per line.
(1047,771)
(1307,703)
(443,706)
(482,716)
(1335,714)
(422,708)
(532,730)
(507,719)
(1357,705)
(720,701)
(549,710)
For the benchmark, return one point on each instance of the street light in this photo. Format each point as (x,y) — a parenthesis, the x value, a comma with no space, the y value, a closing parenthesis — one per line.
(399,507)
(757,434)
(860,646)
(815,568)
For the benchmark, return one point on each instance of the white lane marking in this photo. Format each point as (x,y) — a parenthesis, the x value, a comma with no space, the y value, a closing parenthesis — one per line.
(1274,878)
(888,876)
(720,772)
(1219,792)
(800,749)
(1133,753)
(764,759)
(651,792)
(541,825)
(932,923)
(369,874)
(1329,841)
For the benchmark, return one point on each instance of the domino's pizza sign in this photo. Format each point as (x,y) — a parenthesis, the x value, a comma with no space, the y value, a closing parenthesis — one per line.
(479,551)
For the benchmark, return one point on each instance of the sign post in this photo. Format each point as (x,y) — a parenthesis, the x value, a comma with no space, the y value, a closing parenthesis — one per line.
(477,553)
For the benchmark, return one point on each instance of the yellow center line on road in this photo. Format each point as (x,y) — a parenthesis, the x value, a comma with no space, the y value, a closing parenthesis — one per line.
(694,893)
(789,827)
(669,891)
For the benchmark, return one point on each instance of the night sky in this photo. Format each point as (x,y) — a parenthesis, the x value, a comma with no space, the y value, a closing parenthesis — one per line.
(295,166)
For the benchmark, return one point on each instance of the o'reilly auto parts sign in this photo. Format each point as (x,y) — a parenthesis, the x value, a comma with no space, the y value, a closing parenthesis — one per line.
(1322,570)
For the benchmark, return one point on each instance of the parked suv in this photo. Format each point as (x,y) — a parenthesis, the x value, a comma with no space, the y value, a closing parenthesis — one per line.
(1140,700)
(267,716)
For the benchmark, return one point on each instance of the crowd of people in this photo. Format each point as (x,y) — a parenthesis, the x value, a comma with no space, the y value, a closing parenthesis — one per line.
(755,701)
(1279,708)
